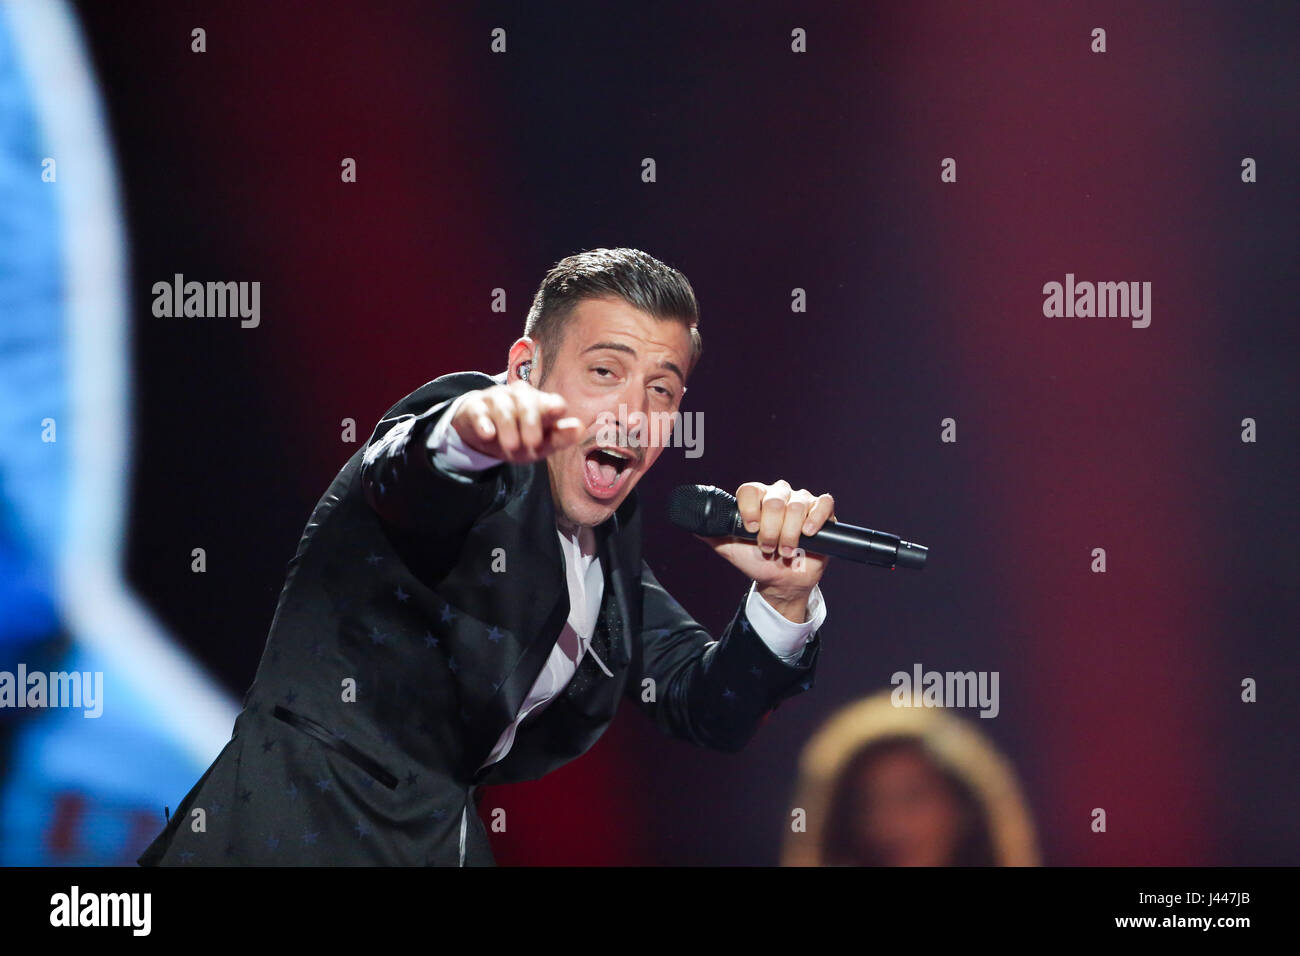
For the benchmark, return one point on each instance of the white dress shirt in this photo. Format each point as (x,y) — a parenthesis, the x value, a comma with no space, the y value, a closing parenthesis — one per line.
(785,638)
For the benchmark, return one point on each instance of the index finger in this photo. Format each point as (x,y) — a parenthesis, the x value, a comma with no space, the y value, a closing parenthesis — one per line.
(551,406)
(565,432)
(749,500)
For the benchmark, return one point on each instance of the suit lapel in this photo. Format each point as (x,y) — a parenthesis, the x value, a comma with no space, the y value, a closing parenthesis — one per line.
(619,543)
(532,598)
(535,549)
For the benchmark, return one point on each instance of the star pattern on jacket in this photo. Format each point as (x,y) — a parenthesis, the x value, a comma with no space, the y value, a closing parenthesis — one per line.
(395,610)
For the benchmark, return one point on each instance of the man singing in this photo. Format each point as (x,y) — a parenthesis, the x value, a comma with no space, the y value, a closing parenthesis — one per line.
(468,602)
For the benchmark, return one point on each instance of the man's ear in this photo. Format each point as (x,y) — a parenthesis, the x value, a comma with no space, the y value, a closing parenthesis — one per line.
(524,352)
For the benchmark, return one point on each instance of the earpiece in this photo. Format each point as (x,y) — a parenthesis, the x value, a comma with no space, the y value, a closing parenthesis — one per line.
(524,369)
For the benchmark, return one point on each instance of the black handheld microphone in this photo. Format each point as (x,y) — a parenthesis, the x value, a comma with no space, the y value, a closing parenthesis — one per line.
(712,512)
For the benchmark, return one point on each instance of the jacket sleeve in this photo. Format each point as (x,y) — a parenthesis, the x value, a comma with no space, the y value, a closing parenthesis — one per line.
(404,487)
(711,692)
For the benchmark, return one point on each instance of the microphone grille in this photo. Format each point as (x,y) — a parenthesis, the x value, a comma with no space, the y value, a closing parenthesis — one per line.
(702,509)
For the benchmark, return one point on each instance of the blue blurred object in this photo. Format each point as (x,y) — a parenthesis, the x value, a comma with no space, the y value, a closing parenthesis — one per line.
(75,789)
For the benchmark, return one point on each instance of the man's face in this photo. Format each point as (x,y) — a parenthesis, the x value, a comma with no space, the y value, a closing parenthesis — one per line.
(621,373)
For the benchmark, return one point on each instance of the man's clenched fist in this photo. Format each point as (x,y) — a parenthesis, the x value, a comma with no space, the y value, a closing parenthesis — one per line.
(785,575)
(516,422)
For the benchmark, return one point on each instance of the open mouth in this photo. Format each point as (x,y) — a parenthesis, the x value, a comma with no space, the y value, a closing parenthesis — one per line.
(605,469)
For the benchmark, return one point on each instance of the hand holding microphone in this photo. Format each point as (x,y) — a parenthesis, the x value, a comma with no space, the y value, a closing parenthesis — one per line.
(773,517)
(706,510)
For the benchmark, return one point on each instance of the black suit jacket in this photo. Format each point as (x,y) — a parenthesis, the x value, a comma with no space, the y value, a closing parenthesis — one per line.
(415,617)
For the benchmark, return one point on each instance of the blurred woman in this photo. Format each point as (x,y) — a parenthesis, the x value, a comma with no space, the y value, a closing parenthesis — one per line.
(882,785)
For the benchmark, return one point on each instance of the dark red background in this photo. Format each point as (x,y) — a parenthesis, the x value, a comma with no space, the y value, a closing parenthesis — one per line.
(776,171)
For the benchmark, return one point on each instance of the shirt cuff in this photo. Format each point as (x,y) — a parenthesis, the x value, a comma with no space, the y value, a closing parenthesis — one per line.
(784,637)
(449,450)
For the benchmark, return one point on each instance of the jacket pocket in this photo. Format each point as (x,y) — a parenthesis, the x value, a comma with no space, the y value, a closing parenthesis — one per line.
(336,743)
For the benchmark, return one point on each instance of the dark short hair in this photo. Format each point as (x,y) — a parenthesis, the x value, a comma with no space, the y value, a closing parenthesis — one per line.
(639,279)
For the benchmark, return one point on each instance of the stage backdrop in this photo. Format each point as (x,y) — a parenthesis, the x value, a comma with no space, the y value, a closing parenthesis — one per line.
(872,202)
